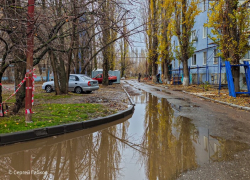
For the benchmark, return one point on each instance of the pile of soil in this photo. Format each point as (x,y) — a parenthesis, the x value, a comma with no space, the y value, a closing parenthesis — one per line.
(112,96)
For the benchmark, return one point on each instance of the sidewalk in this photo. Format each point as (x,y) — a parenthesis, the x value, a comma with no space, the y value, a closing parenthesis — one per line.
(212,94)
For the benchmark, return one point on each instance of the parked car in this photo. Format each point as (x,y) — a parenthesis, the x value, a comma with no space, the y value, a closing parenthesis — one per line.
(111,78)
(78,83)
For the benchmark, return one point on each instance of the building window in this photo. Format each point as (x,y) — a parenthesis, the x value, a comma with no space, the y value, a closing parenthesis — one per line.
(193,36)
(204,58)
(193,60)
(216,58)
(203,4)
(204,32)
(247,55)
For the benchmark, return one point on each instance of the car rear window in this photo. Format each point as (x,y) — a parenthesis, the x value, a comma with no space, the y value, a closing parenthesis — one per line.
(86,77)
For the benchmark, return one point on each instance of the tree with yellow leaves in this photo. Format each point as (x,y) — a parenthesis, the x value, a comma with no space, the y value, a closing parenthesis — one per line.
(185,12)
(165,52)
(153,27)
(229,20)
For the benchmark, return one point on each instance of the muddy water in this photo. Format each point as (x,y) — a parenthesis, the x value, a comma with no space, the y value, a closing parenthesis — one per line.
(155,143)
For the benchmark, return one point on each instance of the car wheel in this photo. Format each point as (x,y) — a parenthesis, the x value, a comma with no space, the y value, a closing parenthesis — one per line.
(110,82)
(48,89)
(78,90)
(88,92)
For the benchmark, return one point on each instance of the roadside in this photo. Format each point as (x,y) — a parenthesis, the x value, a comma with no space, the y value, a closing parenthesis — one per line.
(51,110)
(209,92)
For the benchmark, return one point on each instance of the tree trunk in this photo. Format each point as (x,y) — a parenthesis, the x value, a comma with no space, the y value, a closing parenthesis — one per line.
(63,79)
(166,71)
(62,76)
(123,55)
(1,90)
(236,58)
(76,50)
(123,71)
(185,72)
(19,41)
(236,77)
(20,71)
(40,71)
(154,71)
(47,71)
(93,43)
(167,74)
(154,39)
(105,66)
(53,61)
(105,39)
(83,67)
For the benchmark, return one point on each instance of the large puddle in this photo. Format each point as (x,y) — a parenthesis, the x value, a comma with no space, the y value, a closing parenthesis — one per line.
(154,144)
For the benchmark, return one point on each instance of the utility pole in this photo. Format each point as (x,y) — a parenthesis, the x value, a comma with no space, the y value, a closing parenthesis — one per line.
(29,62)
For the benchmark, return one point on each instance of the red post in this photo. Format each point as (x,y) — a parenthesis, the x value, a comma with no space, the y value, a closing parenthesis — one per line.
(29,62)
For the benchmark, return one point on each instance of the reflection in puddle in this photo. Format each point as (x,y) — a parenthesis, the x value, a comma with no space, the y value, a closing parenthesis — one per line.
(166,92)
(174,144)
(156,89)
(162,90)
(153,144)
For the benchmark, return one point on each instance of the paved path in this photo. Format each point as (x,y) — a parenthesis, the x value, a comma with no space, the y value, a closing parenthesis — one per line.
(222,121)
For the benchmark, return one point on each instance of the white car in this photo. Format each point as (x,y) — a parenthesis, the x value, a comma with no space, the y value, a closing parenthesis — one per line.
(78,83)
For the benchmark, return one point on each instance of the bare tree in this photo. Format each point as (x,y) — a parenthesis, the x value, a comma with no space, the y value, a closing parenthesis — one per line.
(64,31)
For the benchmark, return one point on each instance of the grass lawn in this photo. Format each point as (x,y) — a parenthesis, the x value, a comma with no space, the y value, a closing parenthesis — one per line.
(50,110)
(51,115)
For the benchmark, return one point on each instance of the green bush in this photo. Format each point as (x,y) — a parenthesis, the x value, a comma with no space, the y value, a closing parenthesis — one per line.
(206,86)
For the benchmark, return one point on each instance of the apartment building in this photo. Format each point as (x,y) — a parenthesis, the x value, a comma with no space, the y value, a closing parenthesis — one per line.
(204,65)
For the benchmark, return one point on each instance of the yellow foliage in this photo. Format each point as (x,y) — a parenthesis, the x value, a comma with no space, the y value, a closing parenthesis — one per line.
(230,29)
(184,19)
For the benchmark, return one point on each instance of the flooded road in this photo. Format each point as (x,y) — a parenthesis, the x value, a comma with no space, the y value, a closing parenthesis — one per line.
(155,143)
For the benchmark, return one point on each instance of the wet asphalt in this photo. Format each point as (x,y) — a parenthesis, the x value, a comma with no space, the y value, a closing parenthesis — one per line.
(224,123)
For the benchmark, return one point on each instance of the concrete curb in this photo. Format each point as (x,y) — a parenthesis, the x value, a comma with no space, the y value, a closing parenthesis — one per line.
(57,139)
(131,101)
(221,102)
(11,138)
(61,129)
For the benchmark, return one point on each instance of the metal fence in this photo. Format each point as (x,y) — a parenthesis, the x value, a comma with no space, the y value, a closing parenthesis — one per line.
(9,77)
(214,75)
(201,74)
